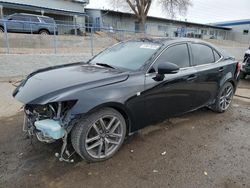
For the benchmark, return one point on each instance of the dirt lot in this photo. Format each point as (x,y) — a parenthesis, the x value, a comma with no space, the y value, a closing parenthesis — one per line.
(203,149)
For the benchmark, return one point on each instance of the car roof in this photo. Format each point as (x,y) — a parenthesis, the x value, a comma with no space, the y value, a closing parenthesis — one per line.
(166,41)
(169,40)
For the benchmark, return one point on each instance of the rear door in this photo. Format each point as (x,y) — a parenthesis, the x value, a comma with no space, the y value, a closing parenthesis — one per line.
(32,24)
(210,70)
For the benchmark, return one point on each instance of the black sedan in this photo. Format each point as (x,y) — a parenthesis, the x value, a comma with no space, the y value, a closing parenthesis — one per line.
(123,89)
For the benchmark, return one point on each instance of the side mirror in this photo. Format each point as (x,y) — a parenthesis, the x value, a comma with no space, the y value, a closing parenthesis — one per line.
(167,68)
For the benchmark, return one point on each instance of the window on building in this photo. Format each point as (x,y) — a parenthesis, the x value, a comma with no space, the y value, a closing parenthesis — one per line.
(211,32)
(202,54)
(245,32)
(177,54)
(221,33)
(204,32)
(162,28)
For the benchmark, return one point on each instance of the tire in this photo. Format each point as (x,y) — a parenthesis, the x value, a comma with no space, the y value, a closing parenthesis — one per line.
(224,99)
(43,32)
(100,135)
(1,30)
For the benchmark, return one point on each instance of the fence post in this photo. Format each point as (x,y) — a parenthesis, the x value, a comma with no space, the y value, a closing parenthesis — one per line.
(123,35)
(75,23)
(55,40)
(6,37)
(31,30)
(92,42)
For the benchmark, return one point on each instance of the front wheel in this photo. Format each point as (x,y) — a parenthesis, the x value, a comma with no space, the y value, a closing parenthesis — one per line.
(224,98)
(100,135)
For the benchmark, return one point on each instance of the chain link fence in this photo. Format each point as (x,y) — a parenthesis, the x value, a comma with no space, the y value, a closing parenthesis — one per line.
(27,37)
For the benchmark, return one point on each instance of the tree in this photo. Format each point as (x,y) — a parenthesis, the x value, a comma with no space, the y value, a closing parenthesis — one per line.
(141,8)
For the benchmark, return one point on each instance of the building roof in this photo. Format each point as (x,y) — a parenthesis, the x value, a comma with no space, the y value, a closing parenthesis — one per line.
(162,19)
(232,23)
(67,7)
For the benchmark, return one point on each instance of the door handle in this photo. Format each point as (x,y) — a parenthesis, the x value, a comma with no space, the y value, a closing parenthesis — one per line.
(191,77)
(221,69)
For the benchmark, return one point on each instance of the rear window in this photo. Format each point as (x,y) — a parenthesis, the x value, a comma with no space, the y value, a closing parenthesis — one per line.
(202,54)
(216,55)
(47,20)
(33,19)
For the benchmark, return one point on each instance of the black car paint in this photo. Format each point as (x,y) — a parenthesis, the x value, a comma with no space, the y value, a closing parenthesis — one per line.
(136,94)
(246,66)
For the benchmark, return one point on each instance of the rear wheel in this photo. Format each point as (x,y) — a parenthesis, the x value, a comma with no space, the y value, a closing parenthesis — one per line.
(224,98)
(100,135)
(1,30)
(43,32)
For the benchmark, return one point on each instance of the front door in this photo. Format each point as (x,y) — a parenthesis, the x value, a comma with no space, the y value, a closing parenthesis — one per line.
(15,24)
(175,93)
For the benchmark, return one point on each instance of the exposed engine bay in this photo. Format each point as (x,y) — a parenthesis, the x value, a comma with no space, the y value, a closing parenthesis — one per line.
(49,123)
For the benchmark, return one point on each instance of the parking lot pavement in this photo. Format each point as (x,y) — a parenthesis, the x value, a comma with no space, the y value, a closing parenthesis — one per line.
(8,105)
(199,149)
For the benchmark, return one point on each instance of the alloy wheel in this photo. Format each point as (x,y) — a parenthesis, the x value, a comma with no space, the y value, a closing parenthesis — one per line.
(104,137)
(226,97)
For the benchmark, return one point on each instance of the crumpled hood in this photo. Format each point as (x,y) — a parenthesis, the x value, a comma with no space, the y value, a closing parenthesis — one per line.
(47,84)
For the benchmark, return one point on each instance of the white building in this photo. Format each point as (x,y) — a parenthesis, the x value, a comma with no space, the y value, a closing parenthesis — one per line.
(240,30)
(154,26)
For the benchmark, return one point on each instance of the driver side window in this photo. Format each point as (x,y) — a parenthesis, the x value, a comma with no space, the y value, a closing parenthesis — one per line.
(177,54)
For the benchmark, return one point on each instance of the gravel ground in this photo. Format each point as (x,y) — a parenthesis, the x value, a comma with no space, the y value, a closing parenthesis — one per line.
(199,149)
(19,66)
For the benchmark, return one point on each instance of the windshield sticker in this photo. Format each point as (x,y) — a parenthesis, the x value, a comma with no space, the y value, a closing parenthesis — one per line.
(150,46)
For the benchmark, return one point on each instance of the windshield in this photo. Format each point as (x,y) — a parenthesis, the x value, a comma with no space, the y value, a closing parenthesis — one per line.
(129,55)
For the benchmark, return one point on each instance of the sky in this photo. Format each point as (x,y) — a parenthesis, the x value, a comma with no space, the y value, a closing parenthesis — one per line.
(202,11)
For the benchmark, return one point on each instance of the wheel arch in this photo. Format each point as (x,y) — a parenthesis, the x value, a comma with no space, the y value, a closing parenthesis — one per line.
(121,108)
(228,78)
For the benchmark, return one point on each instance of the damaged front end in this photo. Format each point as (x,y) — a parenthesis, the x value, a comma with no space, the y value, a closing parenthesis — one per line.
(50,122)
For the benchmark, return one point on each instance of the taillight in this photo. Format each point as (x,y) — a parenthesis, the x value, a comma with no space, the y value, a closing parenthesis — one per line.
(238,68)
